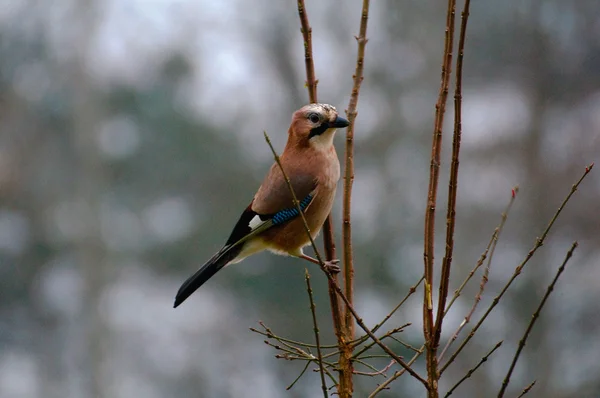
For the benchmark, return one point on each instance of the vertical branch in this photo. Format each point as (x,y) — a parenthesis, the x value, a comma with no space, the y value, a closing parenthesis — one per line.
(534,318)
(453,185)
(345,384)
(316,330)
(436,147)
(311,81)
(348,258)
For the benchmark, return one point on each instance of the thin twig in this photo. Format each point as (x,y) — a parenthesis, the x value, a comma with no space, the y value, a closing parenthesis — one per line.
(377,373)
(328,238)
(410,292)
(472,370)
(348,258)
(316,330)
(299,376)
(485,276)
(527,389)
(434,172)
(298,343)
(396,375)
(453,184)
(538,243)
(311,81)
(387,334)
(534,318)
(376,340)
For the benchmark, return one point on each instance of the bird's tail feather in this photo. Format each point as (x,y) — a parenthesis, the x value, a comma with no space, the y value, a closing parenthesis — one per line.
(212,266)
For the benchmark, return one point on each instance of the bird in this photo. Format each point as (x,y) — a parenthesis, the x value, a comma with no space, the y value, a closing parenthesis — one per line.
(271,221)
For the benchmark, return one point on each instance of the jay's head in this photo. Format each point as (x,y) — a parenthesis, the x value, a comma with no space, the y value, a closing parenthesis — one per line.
(315,125)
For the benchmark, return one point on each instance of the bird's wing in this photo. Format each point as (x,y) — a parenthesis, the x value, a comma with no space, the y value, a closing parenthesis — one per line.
(273,204)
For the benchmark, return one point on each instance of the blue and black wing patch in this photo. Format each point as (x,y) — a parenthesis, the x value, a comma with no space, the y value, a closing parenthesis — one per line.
(252,223)
(287,214)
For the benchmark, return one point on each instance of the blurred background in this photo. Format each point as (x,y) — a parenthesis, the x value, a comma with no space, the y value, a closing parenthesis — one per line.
(131,140)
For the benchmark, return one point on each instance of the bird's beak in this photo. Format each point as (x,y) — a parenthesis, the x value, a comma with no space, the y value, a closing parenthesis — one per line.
(339,122)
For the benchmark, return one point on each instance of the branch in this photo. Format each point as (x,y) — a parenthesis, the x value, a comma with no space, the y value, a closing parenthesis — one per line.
(527,389)
(539,242)
(349,176)
(388,334)
(453,184)
(534,318)
(376,340)
(436,147)
(384,385)
(311,81)
(484,278)
(471,371)
(492,243)
(411,291)
(328,238)
(316,330)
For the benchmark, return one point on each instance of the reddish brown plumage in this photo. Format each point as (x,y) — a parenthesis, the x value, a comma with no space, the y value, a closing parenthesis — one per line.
(313,168)
(310,161)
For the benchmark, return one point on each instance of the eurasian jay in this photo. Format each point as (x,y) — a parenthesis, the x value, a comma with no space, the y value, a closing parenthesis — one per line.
(271,221)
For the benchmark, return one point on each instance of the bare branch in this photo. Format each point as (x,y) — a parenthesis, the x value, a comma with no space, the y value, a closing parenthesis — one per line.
(527,389)
(538,243)
(534,318)
(453,184)
(484,278)
(472,370)
(316,330)
(429,239)
(396,375)
(493,241)
(311,81)
(328,238)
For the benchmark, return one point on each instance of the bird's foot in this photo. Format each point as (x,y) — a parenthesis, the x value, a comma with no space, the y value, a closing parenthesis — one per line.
(332,266)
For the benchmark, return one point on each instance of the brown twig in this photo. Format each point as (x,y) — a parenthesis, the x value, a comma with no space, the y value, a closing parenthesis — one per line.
(527,389)
(434,173)
(311,81)
(534,318)
(376,340)
(328,238)
(348,258)
(378,372)
(298,343)
(484,277)
(410,292)
(316,330)
(453,184)
(472,370)
(538,243)
(388,334)
(493,241)
(396,375)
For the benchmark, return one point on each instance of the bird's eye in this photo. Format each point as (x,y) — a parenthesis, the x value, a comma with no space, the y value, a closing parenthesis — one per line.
(313,117)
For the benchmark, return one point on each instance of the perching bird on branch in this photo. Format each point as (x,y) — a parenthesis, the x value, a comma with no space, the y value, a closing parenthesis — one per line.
(272,221)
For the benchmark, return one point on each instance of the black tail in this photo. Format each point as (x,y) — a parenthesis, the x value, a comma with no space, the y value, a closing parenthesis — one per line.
(212,266)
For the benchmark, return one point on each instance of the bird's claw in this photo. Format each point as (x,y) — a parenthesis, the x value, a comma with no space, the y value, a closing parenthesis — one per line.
(332,266)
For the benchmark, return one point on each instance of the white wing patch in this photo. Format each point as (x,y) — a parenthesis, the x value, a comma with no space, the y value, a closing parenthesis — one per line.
(255,222)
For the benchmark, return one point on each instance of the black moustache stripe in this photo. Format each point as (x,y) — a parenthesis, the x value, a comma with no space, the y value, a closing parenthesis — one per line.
(318,130)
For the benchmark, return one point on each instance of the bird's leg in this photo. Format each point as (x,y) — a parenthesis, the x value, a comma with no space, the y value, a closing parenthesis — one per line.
(330,266)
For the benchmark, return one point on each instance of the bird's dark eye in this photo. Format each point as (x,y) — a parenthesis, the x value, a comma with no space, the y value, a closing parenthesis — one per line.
(313,117)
